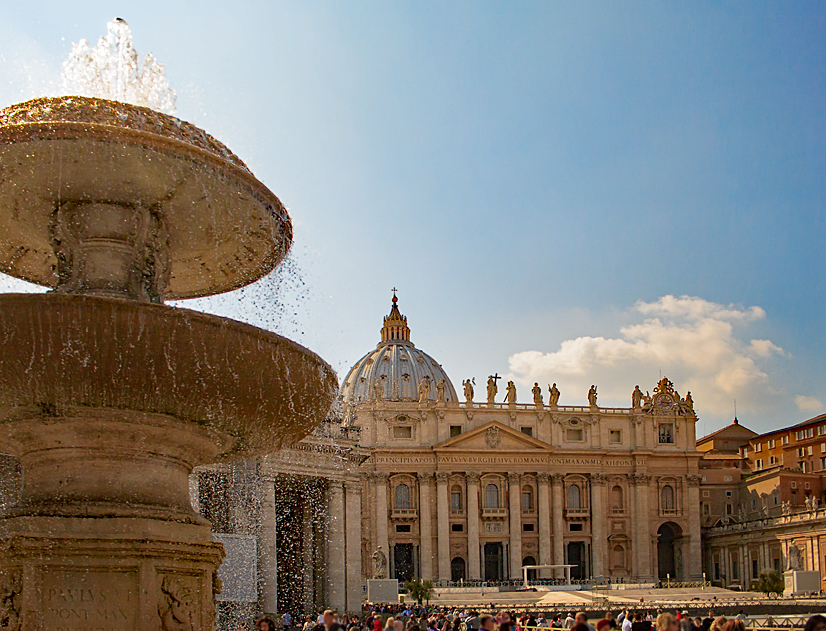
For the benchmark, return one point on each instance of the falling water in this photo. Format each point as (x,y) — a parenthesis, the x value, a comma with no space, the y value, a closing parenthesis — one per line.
(110,70)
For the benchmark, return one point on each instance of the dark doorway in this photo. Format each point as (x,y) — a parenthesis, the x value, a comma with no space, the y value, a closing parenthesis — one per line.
(403,561)
(576,557)
(532,572)
(493,561)
(457,569)
(665,551)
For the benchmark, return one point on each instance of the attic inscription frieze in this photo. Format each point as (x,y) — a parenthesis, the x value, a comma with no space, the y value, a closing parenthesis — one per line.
(507,459)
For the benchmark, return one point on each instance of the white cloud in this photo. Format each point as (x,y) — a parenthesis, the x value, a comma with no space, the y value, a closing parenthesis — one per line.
(808,404)
(696,343)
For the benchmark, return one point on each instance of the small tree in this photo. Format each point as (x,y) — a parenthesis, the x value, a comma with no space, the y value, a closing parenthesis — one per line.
(770,582)
(419,590)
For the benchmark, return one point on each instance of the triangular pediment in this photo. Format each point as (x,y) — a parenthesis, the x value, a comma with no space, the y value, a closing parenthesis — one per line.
(492,436)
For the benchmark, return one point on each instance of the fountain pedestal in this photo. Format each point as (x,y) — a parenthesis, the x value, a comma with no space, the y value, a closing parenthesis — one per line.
(110,399)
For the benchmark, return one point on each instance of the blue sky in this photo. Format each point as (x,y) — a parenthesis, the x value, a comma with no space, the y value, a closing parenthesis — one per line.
(572,192)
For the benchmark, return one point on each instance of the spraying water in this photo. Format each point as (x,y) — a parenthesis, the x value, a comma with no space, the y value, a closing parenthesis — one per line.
(110,70)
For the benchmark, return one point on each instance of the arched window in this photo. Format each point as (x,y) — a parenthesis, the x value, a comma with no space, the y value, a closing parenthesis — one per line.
(573,496)
(402,496)
(456,498)
(457,569)
(668,497)
(616,498)
(527,498)
(491,496)
(618,557)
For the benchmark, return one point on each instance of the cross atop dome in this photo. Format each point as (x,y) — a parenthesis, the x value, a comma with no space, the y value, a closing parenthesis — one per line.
(395,329)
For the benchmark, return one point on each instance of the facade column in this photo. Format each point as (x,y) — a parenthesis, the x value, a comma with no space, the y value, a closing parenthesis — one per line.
(598,521)
(382,540)
(308,553)
(544,518)
(473,555)
(695,551)
(336,562)
(426,525)
(559,523)
(642,534)
(267,551)
(443,524)
(515,496)
(352,532)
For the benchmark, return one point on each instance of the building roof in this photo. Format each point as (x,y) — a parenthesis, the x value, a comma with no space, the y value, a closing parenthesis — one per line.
(731,428)
(811,421)
(395,369)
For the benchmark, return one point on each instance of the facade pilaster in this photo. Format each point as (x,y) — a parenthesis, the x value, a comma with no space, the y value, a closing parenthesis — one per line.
(336,551)
(267,553)
(426,525)
(598,521)
(515,497)
(352,490)
(695,551)
(473,552)
(643,539)
(380,489)
(559,523)
(443,521)
(544,518)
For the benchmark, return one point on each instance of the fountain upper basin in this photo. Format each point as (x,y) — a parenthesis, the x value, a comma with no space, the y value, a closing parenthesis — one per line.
(218,228)
(253,391)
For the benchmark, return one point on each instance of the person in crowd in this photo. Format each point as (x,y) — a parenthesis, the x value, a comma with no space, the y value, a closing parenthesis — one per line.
(579,626)
(734,625)
(815,623)
(582,618)
(398,623)
(708,620)
(609,616)
(569,621)
(627,622)
(556,623)
(263,624)
(473,621)
(685,621)
(667,622)
(621,618)
(718,624)
(487,623)
(603,625)
(698,624)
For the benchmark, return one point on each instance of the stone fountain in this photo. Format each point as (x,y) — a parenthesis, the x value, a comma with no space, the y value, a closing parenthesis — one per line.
(108,397)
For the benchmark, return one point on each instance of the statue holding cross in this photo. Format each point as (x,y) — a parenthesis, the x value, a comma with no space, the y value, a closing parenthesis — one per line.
(493,388)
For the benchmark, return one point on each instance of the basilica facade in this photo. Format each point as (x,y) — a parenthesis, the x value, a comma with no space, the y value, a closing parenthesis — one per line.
(468,490)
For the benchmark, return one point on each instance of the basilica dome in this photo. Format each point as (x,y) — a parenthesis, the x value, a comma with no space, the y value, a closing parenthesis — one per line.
(394,370)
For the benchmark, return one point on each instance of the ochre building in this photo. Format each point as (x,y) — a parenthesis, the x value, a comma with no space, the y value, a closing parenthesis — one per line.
(474,487)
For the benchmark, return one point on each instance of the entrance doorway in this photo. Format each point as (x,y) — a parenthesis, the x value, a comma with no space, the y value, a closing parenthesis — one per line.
(666,558)
(457,569)
(403,561)
(531,572)
(576,557)
(493,561)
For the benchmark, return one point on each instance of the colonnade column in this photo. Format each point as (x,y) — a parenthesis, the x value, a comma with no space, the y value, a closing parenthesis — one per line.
(380,490)
(559,523)
(642,534)
(695,550)
(515,496)
(544,517)
(473,555)
(308,554)
(443,519)
(598,519)
(336,563)
(267,552)
(353,543)
(425,526)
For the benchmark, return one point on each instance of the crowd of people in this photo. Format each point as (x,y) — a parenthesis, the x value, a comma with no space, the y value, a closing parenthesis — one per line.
(419,618)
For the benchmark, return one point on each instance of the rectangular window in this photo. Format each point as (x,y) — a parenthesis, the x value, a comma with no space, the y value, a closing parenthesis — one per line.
(457,528)
(754,568)
(716,570)
(727,478)
(402,432)
(753,504)
(735,571)
(809,450)
(527,527)
(455,430)
(759,464)
(794,484)
(403,528)
(808,485)
(771,444)
(706,494)
(705,509)
(574,435)
(822,464)
(822,447)
(772,460)
(821,429)
(666,433)
(785,440)
(615,436)
(810,433)
(456,501)
(528,431)
(758,448)
(527,501)
(728,509)
(576,527)
(803,466)
(776,564)
(728,493)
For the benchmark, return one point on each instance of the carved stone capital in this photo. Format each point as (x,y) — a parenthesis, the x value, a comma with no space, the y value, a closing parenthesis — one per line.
(425,477)
(472,477)
(599,479)
(694,480)
(515,478)
(557,479)
(379,477)
(442,477)
(543,477)
(352,486)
